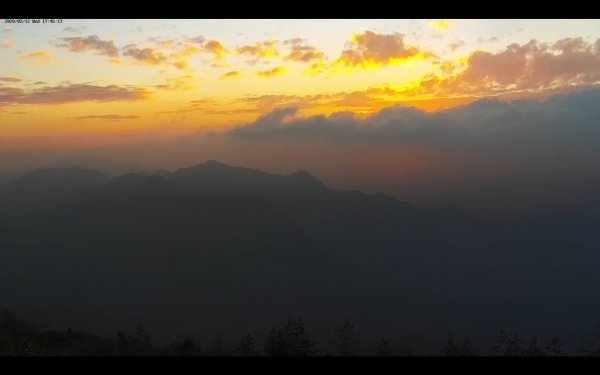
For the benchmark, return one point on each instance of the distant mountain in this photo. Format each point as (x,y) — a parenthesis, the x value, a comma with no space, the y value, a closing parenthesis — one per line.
(219,178)
(44,189)
(67,178)
(212,246)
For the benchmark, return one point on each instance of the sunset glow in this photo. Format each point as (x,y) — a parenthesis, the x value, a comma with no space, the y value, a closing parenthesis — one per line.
(113,81)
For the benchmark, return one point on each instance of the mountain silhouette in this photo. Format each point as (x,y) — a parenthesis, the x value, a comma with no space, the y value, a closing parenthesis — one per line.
(48,178)
(215,245)
(219,178)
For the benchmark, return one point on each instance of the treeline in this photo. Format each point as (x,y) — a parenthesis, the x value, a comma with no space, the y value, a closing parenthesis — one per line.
(20,338)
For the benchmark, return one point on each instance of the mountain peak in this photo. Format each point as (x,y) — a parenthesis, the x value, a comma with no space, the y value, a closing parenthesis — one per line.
(213,163)
(301,174)
(304,178)
(209,164)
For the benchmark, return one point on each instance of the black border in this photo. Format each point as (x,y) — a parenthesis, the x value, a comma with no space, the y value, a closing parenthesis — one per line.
(432,9)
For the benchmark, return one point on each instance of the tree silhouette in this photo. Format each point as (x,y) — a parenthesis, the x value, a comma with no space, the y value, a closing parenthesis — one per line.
(292,339)
(463,349)
(554,347)
(138,344)
(512,346)
(591,347)
(509,346)
(533,350)
(247,346)
(344,343)
(187,347)
(218,347)
(384,348)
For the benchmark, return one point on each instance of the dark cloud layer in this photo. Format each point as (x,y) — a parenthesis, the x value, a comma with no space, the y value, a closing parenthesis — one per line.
(519,156)
(560,119)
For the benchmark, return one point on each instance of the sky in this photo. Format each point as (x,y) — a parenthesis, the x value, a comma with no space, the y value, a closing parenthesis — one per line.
(424,109)
(92,82)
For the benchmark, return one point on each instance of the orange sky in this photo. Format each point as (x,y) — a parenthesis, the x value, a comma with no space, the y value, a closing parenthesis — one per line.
(84,83)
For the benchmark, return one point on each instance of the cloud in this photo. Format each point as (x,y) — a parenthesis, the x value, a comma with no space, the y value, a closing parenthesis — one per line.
(148,56)
(10,79)
(197,105)
(231,74)
(439,25)
(304,53)
(182,65)
(188,50)
(488,40)
(567,122)
(7,43)
(279,70)
(370,49)
(72,93)
(89,43)
(182,55)
(74,30)
(163,43)
(525,70)
(42,57)
(294,41)
(315,68)
(215,47)
(110,118)
(266,103)
(260,49)
(535,65)
(456,45)
(179,83)
(361,101)
(197,39)
(490,153)
(38,55)
(7,29)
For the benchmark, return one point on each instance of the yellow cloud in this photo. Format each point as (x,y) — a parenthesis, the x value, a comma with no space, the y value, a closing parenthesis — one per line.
(261,49)
(42,57)
(38,55)
(271,72)
(440,25)
(315,68)
(179,83)
(109,118)
(148,56)
(10,79)
(372,50)
(215,47)
(520,69)
(182,65)
(303,53)
(232,74)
